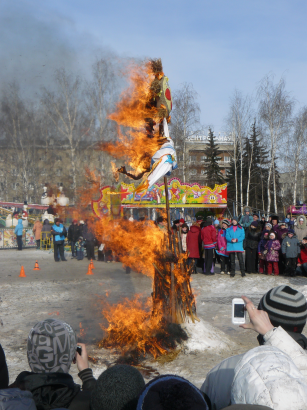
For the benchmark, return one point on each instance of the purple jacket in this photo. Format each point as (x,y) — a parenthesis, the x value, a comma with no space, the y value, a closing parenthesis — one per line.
(273,254)
(281,234)
(222,243)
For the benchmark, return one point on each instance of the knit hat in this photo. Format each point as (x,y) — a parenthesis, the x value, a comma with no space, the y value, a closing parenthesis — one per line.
(200,218)
(268,224)
(255,214)
(291,231)
(235,218)
(216,222)
(225,221)
(171,392)
(286,307)
(255,224)
(182,221)
(176,221)
(51,346)
(117,388)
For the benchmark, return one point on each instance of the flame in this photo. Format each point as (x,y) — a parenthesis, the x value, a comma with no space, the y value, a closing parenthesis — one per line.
(131,113)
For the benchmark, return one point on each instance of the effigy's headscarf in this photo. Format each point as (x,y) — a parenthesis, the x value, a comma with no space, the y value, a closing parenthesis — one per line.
(51,346)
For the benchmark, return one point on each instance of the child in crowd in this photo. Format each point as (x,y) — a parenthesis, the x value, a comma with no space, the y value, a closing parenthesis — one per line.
(302,259)
(290,249)
(221,248)
(80,248)
(235,235)
(261,249)
(184,234)
(272,255)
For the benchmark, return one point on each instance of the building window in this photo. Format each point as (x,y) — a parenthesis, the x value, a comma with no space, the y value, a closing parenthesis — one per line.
(43,157)
(58,158)
(31,185)
(15,185)
(15,199)
(43,171)
(202,172)
(227,159)
(193,172)
(203,158)
(15,172)
(1,173)
(180,157)
(58,172)
(192,158)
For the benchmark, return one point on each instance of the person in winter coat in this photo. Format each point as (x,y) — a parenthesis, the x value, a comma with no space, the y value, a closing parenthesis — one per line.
(252,238)
(275,222)
(51,349)
(301,268)
(246,219)
(80,249)
(279,322)
(235,236)
(272,256)
(222,248)
(290,249)
(169,392)
(267,376)
(193,245)
(46,233)
(261,249)
(117,388)
(59,232)
(18,232)
(73,236)
(89,237)
(300,229)
(262,222)
(184,234)
(208,236)
(281,234)
(37,229)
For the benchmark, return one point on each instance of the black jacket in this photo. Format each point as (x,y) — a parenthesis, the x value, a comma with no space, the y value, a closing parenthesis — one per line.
(56,390)
(252,238)
(73,233)
(4,374)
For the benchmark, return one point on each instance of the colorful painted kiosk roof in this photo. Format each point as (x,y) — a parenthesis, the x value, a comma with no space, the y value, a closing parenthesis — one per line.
(181,195)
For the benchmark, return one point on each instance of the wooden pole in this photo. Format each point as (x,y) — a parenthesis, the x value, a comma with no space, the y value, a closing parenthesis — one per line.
(173,296)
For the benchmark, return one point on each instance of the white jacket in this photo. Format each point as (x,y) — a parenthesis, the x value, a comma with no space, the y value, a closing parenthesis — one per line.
(267,376)
(219,380)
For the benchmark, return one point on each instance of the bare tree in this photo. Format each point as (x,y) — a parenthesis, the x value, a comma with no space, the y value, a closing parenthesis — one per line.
(275,110)
(68,113)
(238,125)
(21,133)
(185,119)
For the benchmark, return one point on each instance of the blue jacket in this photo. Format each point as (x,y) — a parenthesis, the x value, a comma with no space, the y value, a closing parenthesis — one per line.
(19,228)
(244,223)
(238,234)
(60,230)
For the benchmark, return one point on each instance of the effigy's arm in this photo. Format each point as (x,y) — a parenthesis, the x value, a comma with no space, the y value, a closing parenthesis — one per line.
(123,170)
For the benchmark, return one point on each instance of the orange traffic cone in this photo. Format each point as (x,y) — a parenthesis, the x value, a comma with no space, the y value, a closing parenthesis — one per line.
(89,271)
(22,273)
(36,267)
(92,264)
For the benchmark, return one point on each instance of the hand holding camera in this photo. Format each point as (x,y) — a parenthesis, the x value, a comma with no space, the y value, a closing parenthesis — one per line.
(82,357)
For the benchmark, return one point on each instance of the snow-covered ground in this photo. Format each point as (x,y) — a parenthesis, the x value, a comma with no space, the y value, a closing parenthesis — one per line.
(63,290)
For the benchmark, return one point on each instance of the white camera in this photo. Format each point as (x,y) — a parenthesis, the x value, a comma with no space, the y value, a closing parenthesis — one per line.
(238,311)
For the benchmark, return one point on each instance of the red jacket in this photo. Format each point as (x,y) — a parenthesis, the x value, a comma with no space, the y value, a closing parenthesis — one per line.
(208,236)
(193,241)
(302,257)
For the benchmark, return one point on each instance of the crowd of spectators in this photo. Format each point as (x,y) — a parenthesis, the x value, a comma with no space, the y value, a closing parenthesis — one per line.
(270,247)
(270,376)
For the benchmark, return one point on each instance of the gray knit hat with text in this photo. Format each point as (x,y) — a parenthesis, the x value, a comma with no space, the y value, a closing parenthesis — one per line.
(51,346)
(286,307)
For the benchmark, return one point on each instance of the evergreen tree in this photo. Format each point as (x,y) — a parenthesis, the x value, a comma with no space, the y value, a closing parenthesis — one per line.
(213,171)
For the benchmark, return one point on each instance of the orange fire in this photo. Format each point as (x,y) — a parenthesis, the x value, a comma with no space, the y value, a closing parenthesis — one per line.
(133,327)
(133,143)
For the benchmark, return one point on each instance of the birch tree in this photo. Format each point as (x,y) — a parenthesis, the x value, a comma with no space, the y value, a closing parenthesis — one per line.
(67,111)
(238,124)
(275,110)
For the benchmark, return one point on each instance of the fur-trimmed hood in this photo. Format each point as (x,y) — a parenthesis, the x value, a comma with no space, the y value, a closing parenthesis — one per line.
(298,225)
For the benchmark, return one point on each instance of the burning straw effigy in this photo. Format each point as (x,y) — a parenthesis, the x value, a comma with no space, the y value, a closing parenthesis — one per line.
(151,326)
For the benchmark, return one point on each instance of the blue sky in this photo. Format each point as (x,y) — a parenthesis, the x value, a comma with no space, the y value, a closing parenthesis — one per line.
(218,45)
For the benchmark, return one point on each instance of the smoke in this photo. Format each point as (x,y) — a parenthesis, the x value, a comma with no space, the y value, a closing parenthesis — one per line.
(36,42)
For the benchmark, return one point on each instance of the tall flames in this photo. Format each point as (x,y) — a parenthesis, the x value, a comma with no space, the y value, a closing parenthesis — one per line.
(150,325)
(131,114)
